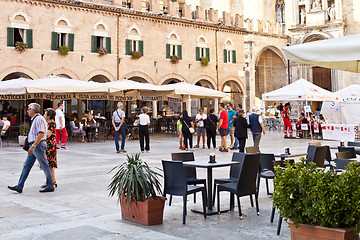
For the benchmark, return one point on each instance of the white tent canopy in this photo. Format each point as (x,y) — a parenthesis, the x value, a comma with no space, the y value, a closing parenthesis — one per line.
(349,93)
(187,89)
(338,53)
(301,90)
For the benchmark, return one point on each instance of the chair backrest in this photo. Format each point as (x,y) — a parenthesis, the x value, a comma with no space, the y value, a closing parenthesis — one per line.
(342,163)
(315,144)
(266,162)
(235,170)
(316,154)
(343,155)
(252,149)
(353,144)
(190,172)
(348,149)
(174,178)
(248,174)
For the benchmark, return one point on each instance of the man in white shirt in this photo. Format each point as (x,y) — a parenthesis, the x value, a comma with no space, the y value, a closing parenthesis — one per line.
(60,126)
(144,122)
(118,121)
(200,118)
(6,126)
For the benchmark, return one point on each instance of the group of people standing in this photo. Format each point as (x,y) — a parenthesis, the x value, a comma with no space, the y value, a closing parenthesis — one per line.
(229,122)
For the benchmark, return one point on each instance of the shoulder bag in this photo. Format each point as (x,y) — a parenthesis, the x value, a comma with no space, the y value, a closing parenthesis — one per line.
(191,129)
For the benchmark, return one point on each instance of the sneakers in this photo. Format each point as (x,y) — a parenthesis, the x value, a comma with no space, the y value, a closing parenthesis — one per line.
(64,147)
(234,148)
(147,151)
(224,150)
(231,146)
(197,146)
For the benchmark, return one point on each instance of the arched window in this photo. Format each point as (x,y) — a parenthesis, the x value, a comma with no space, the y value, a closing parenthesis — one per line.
(173,46)
(280,12)
(100,39)
(134,43)
(202,49)
(19,30)
(62,35)
(229,52)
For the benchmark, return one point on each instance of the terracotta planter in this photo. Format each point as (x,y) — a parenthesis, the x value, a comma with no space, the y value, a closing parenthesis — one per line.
(305,232)
(148,213)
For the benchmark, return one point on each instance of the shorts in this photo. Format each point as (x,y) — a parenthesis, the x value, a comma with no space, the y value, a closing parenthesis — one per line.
(201,130)
(181,136)
(231,130)
(223,131)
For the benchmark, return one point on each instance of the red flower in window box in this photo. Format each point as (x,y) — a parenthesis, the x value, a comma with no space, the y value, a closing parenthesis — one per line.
(174,59)
(21,46)
(102,51)
(135,55)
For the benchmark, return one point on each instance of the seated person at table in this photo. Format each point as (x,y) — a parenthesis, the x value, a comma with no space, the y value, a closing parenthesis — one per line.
(75,129)
(89,122)
(301,120)
(6,124)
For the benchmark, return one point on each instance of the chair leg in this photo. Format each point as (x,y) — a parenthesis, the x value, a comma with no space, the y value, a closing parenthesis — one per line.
(232,200)
(184,208)
(267,186)
(218,201)
(194,197)
(257,204)
(170,200)
(258,184)
(272,214)
(213,200)
(251,201)
(204,201)
(239,206)
(279,224)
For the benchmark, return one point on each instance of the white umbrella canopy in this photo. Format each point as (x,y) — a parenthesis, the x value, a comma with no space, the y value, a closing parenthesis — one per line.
(14,86)
(338,53)
(183,88)
(349,93)
(129,85)
(301,90)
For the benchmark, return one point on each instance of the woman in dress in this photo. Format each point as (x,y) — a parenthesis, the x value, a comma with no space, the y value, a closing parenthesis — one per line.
(51,143)
(187,123)
(241,127)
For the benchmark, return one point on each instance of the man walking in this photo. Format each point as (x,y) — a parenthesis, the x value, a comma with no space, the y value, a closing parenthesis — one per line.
(286,119)
(37,142)
(60,126)
(223,127)
(200,118)
(232,117)
(118,121)
(256,126)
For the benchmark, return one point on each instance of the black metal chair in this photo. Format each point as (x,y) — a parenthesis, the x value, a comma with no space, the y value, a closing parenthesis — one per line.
(175,184)
(266,170)
(342,163)
(190,172)
(234,174)
(348,149)
(354,144)
(246,183)
(343,155)
(317,154)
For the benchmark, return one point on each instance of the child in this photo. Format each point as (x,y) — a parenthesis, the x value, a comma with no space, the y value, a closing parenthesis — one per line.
(179,133)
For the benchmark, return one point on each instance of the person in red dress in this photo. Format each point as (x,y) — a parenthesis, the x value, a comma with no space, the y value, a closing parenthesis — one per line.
(51,143)
(287,122)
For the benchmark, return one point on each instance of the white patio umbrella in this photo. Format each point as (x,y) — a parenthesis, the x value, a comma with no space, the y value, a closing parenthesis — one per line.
(187,89)
(301,90)
(130,87)
(14,86)
(338,53)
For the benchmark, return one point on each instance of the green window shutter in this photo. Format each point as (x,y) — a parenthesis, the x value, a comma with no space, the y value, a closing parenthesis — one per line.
(233,56)
(29,38)
(208,53)
(197,54)
(93,44)
(225,56)
(179,48)
(108,45)
(10,37)
(127,49)
(167,50)
(71,42)
(141,47)
(54,41)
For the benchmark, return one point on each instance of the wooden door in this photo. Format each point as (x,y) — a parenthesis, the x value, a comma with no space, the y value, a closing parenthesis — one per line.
(322,77)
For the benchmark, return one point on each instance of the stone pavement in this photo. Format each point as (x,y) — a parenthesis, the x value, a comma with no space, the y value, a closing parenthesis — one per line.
(81,209)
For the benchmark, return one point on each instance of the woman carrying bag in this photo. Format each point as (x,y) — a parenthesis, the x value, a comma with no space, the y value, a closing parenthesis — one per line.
(187,129)
(211,126)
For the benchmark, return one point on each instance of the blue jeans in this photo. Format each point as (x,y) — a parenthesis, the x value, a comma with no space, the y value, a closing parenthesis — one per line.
(236,143)
(40,155)
(123,136)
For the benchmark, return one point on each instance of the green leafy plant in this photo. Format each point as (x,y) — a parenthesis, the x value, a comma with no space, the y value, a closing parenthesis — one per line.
(21,46)
(134,180)
(135,55)
(102,51)
(24,129)
(309,195)
(204,61)
(63,50)
(175,59)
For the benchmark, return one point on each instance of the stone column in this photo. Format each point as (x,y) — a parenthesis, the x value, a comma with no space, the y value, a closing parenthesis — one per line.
(216,106)
(308,6)
(188,105)
(226,18)
(324,5)
(295,19)
(155,112)
(79,109)
(186,11)
(338,9)
(244,102)
(213,15)
(200,13)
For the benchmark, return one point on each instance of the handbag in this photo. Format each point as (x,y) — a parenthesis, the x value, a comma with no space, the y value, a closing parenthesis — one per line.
(191,129)
(26,146)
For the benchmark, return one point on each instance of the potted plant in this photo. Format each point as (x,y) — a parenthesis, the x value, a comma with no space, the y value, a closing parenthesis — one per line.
(174,59)
(319,204)
(21,46)
(23,132)
(135,55)
(63,50)
(204,61)
(102,51)
(136,185)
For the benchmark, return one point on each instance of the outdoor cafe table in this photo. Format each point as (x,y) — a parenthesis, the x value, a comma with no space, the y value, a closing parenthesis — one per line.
(283,156)
(209,166)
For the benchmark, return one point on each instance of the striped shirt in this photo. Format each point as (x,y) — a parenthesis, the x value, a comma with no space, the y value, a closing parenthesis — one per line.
(38,125)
